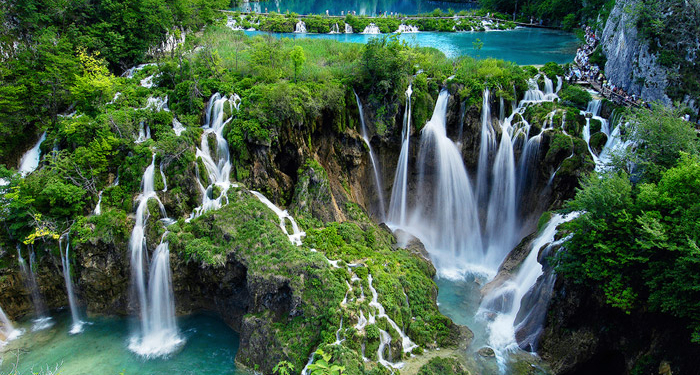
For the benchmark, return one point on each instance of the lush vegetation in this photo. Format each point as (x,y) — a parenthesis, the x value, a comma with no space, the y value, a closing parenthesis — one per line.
(636,239)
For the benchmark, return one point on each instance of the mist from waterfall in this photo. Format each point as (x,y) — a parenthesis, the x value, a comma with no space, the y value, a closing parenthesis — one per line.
(7,330)
(41,319)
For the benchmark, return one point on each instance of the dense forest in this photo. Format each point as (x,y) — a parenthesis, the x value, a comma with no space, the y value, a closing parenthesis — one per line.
(65,74)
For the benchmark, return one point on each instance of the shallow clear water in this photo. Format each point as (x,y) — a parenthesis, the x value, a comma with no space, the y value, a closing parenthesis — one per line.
(361,7)
(210,349)
(524,46)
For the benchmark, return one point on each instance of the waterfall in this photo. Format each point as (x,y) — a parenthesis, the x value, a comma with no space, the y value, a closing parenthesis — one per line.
(559,84)
(406,29)
(77,326)
(501,215)
(503,303)
(232,24)
(348,29)
(371,29)
(158,335)
(162,176)
(159,329)
(399,192)
(283,215)
(548,86)
(377,179)
(488,143)
(335,29)
(446,218)
(98,206)
(300,27)
(41,321)
(217,163)
(7,330)
(30,160)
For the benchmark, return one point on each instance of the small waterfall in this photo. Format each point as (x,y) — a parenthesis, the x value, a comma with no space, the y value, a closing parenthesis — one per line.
(377,179)
(559,83)
(371,29)
(399,192)
(162,176)
(98,206)
(7,330)
(178,128)
(42,320)
(407,29)
(296,235)
(348,29)
(30,160)
(77,326)
(548,86)
(159,328)
(501,109)
(504,302)
(300,27)
(232,24)
(217,163)
(335,29)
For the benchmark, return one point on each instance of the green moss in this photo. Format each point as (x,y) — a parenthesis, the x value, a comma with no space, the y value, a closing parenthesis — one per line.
(443,366)
(560,147)
(575,96)
(597,141)
(544,219)
(595,125)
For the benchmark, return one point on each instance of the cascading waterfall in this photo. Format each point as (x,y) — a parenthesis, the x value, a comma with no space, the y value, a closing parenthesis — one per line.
(503,303)
(218,164)
(445,217)
(30,160)
(335,29)
(371,29)
(385,338)
(300,27)
(399,192)
(407,29)
(296,235)
(77,326)
(348,29)
(98,206)
(377,179)
(158,334)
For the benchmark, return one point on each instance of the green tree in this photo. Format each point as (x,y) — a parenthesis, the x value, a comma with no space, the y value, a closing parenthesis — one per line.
(298,59)
(321,366)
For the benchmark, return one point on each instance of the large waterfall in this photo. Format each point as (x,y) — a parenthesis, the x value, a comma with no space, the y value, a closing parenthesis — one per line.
(377,178)
(77,326)
(158,335)
(445,216)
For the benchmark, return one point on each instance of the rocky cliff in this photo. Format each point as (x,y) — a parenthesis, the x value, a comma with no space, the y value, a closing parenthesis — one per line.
(652,49)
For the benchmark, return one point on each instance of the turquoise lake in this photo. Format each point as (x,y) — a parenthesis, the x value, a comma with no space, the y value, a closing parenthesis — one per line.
(210,349)
(524,46)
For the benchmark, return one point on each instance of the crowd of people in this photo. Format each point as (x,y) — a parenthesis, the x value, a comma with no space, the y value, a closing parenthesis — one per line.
(586,71)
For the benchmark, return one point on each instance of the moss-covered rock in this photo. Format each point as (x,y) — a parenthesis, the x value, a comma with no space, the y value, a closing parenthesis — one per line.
(598,141)
(443,366)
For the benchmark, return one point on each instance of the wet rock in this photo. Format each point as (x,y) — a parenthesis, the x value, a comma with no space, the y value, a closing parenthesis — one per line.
(486,352)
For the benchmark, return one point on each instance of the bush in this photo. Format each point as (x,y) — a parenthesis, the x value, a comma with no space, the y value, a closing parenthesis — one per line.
(575,96)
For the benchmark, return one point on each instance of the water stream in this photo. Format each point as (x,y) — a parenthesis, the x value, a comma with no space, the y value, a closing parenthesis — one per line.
(377,179)
(77,326)
(30,160)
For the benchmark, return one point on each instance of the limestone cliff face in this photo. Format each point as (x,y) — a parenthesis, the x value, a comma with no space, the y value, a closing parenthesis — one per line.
(631,65)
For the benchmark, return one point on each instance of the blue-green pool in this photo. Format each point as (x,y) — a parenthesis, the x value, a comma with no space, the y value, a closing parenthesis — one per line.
(210,349)
(524,46)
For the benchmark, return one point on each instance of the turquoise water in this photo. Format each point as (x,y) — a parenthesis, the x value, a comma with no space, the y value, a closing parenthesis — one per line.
(361,7)
(524,46)
(101,349)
